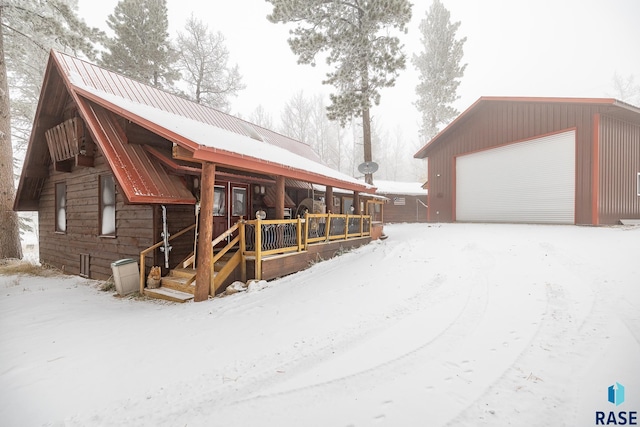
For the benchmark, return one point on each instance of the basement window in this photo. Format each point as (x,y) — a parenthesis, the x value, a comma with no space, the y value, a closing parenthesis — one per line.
(61,207)
(638,184)
(107,206)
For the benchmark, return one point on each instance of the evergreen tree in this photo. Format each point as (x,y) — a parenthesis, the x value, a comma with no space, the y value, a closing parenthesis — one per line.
(356,36)
(203,58)
(141,48)
(28,30)
(440,70)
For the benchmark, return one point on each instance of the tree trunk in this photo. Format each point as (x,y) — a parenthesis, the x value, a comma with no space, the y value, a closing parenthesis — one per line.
(9,225)
(366,136)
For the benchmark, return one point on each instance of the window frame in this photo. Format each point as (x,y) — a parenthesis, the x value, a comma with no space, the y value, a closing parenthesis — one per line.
(60,187)
(102,206)
(638,184)
(239,190)
(220,210)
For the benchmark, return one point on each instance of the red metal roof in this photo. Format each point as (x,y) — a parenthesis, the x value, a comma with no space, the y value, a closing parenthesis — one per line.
(619,105)
(141,177)
(98,85)
(118,85)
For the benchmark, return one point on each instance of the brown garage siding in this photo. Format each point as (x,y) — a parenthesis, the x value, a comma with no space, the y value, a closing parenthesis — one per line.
(619,166)
(500,123)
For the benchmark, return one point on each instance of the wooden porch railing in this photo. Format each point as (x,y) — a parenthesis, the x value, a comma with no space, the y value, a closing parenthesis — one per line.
(263,238)
(144,253)
(258,238)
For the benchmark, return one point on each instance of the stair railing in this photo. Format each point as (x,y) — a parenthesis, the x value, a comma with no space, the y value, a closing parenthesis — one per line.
(144,253)
(217,278)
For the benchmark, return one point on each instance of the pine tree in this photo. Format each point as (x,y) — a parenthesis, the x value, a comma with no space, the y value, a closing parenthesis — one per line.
(440,70)
(28,30)
(204,58)
(141,48)
(356,36)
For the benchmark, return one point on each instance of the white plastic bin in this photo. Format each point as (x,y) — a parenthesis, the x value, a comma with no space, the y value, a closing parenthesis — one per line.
(126,276)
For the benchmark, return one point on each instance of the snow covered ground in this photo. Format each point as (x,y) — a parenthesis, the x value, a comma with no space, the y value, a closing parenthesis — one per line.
(452,324)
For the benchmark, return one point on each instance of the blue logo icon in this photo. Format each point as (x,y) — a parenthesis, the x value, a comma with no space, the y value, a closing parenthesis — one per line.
(616,394)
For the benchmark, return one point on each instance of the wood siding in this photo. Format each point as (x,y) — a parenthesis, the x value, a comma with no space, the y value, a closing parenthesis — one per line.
(505,122)
(619,152)
(134,230)
(411,211)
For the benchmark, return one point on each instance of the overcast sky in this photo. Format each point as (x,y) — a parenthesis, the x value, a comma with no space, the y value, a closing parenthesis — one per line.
(550,48)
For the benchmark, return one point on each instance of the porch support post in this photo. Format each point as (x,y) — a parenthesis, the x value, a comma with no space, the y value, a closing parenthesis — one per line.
(279,197)
(328,198)
(356,203)
(205,234)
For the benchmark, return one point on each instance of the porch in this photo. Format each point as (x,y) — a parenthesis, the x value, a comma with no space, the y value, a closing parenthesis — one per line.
(262,250)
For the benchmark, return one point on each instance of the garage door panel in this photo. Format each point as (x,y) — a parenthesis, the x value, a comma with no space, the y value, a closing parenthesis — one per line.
(531,181)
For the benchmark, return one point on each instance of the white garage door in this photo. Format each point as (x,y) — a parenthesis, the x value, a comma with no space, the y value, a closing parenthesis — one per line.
(531,181)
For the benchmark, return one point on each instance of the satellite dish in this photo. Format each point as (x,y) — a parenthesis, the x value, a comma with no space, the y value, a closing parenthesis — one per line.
(368,167)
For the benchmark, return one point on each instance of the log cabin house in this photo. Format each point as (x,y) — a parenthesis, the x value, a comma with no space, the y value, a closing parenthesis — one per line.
(118,169)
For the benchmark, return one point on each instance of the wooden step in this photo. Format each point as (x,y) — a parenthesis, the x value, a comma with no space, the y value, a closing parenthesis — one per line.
(168,294)
(183,272)
(179,283)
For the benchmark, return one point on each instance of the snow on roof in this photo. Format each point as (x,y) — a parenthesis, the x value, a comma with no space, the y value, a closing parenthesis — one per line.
(212,137)
(395,187)
(322,189)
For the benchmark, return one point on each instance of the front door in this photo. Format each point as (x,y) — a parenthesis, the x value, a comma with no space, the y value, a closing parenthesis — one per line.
(220,210)
(230,203)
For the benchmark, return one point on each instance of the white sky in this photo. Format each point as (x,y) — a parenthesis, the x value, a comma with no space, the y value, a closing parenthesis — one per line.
(514,48)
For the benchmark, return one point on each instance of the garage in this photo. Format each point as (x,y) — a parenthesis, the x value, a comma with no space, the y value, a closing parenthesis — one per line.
(531,181)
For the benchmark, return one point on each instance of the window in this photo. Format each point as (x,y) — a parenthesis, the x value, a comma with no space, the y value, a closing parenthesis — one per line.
(638,184)
(239,202)
(61,207)
(107,205)
(219,203)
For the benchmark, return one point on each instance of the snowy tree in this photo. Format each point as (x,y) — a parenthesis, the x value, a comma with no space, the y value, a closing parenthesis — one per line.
(296,118)
(439,68)
(28,30)
(356,35)
(140,48)
(203,58)
(261,117)
(625,89)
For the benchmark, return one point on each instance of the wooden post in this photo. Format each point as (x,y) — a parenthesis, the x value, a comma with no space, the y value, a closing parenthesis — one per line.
(243,249)
(356,203)
(306,230)
(279,197)
(142,273)
(205,235)
(346,227)
(299,234)
(258,242)
(361,224)
(327,229)
(328,199)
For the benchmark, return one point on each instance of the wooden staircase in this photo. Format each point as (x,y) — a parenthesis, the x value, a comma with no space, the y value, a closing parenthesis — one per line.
(178,286)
